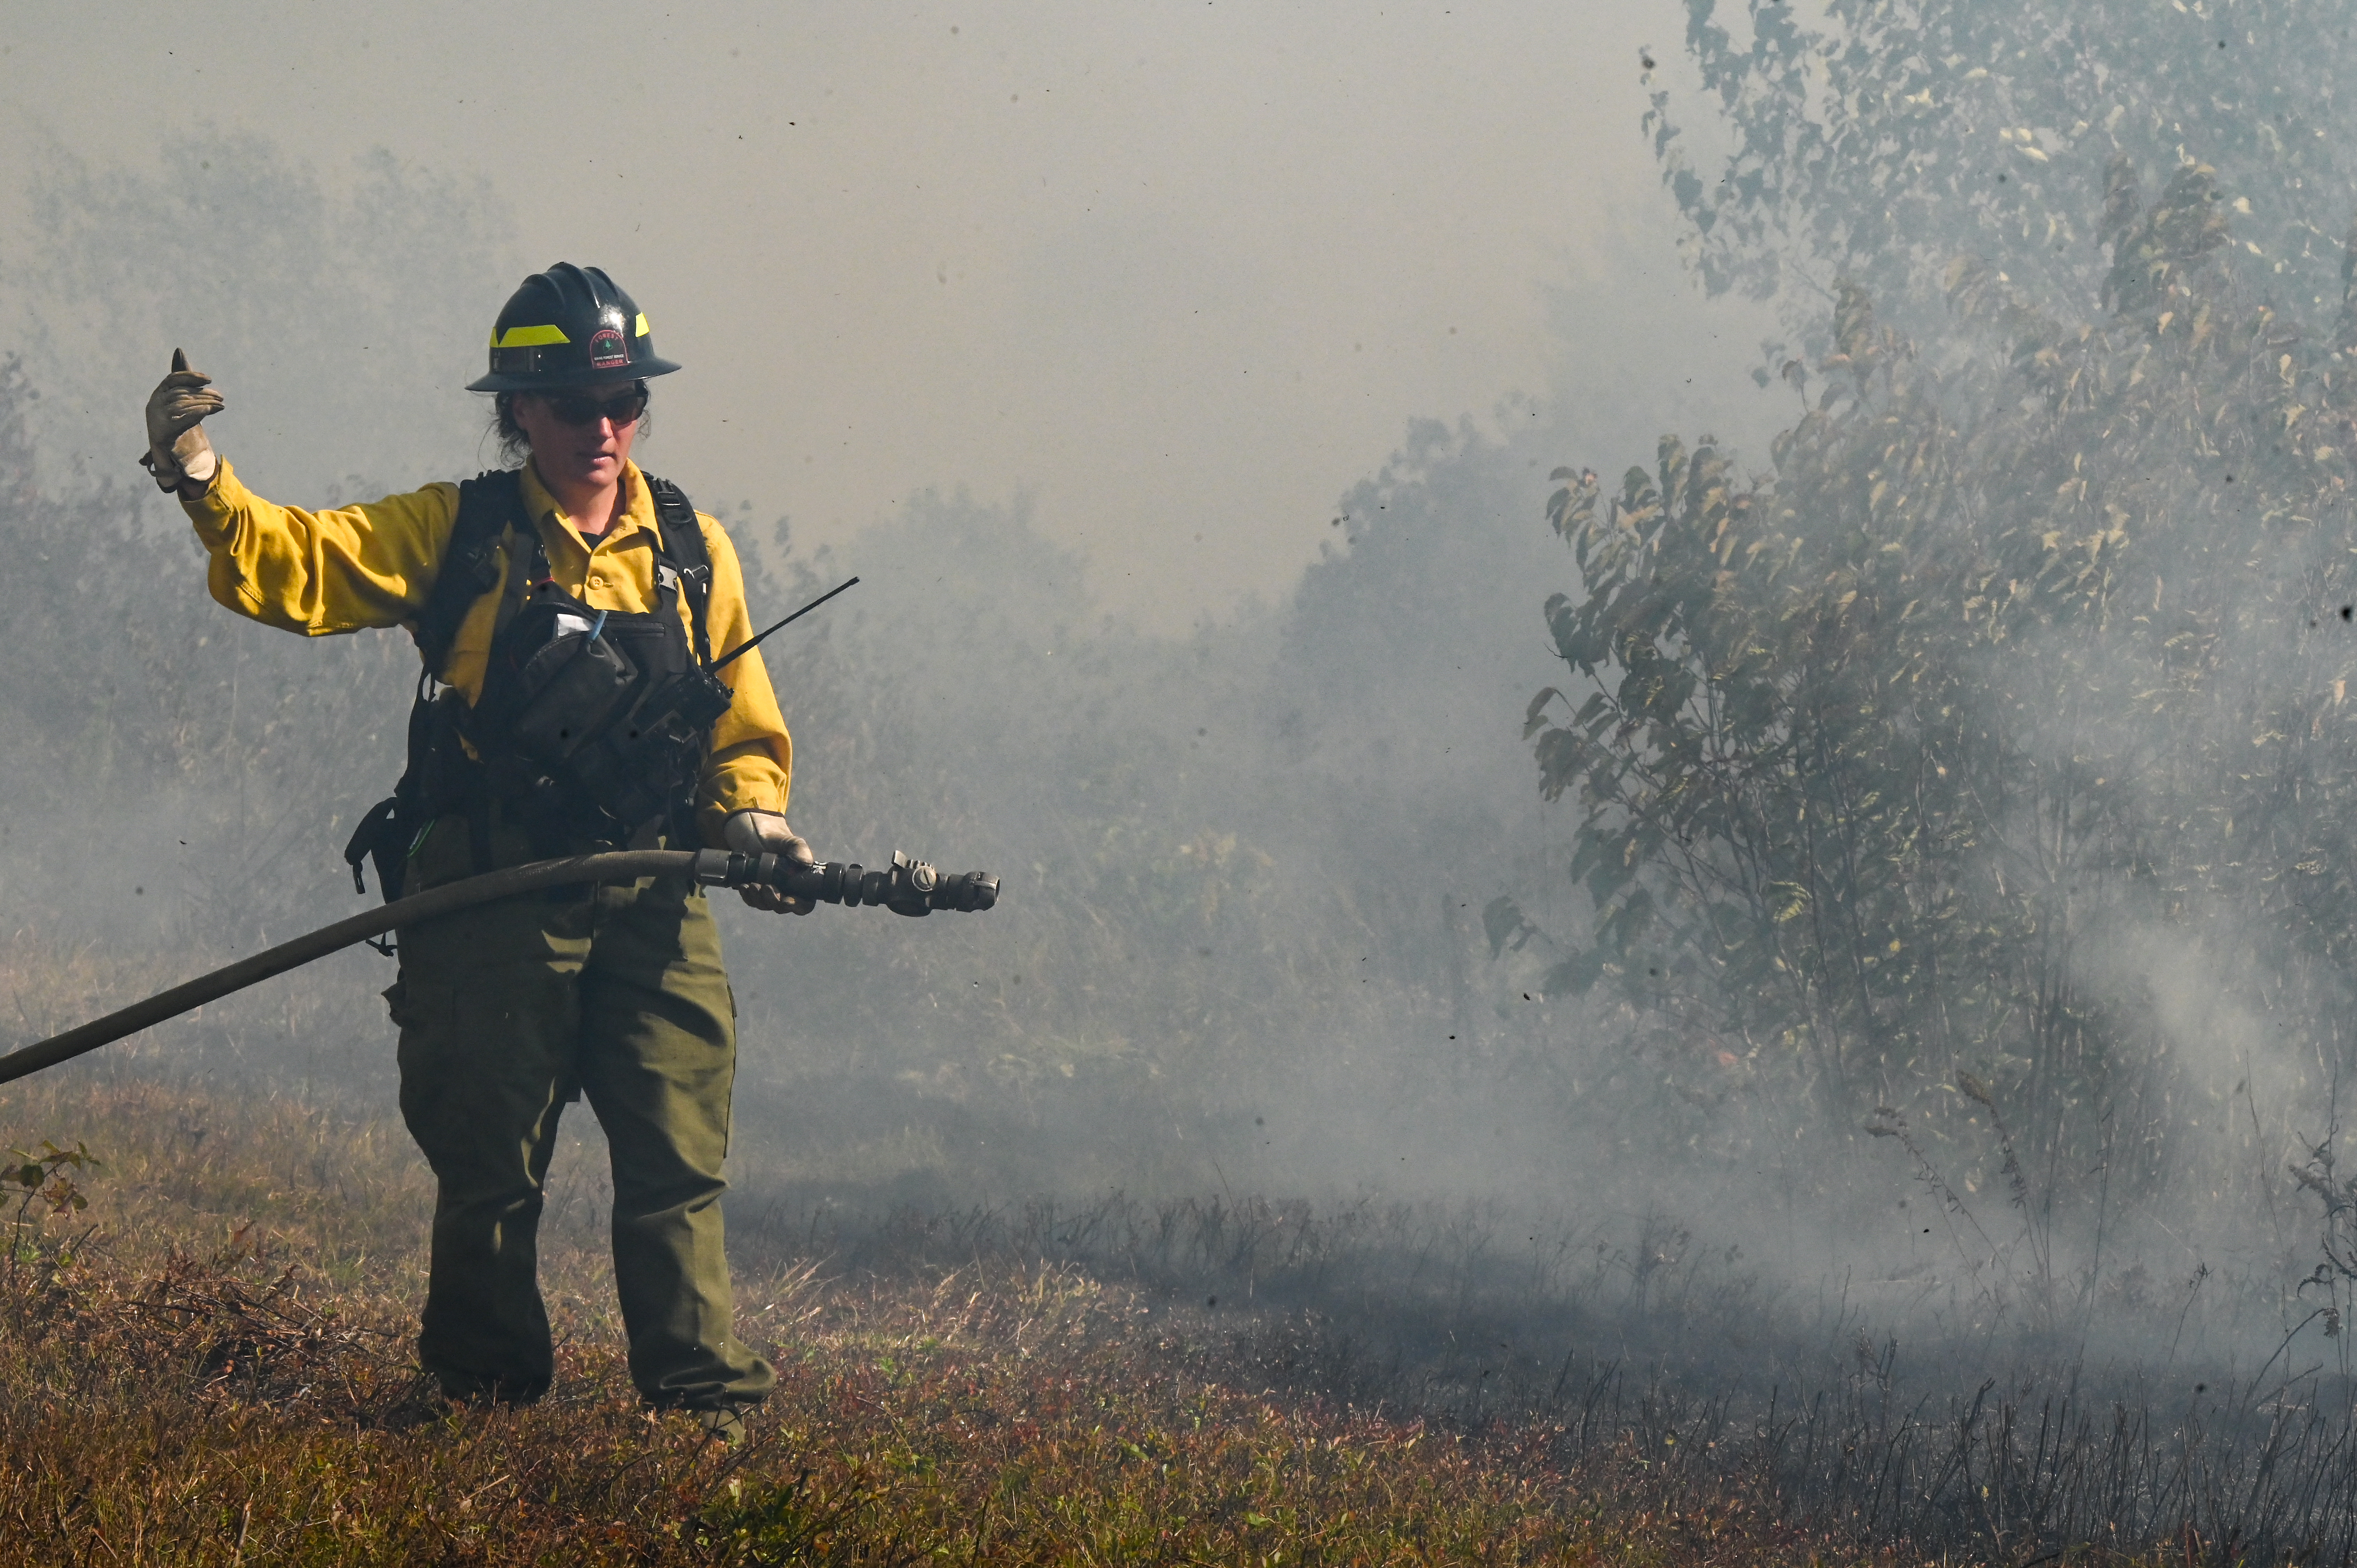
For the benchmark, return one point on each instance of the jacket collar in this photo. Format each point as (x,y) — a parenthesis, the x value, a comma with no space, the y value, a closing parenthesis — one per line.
(638,511)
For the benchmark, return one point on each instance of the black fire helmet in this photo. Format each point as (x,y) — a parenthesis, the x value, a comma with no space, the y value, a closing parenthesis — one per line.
(569,327)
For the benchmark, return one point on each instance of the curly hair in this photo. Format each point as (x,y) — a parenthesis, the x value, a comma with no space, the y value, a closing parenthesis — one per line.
(515,445)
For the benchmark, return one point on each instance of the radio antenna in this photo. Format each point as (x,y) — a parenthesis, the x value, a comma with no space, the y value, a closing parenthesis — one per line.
(745,648)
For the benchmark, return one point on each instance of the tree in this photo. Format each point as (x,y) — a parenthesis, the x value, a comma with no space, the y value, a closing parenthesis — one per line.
(1874,142)
(2021,680)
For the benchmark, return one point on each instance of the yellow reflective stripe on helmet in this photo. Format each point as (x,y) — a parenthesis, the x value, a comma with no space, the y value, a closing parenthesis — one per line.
(531,337)
(643,324)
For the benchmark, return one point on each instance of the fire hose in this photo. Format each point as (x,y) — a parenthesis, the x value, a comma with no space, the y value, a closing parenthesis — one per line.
(908,888)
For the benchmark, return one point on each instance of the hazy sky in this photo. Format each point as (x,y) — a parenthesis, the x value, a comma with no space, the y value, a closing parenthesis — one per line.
(1179,272)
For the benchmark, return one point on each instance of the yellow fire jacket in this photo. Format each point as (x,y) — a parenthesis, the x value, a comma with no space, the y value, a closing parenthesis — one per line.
(321,573)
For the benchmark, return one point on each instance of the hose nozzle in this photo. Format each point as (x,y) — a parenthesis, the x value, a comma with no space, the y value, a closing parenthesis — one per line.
(908,887)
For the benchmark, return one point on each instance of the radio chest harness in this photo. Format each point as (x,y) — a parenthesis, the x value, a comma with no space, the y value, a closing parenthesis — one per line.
(592,726)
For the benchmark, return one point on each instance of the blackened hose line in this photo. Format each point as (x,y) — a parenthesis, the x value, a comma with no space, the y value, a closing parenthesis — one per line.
(910,887)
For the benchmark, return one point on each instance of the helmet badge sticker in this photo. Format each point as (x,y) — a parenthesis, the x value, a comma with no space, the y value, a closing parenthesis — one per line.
(607,349)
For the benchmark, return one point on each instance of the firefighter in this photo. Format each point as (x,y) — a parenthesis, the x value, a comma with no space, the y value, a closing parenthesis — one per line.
(541,597)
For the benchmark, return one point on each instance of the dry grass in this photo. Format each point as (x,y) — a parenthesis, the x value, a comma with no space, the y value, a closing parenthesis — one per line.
(220,1373)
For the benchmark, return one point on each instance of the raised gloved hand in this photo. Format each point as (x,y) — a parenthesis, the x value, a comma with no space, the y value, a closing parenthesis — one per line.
(765,832)
(177,452)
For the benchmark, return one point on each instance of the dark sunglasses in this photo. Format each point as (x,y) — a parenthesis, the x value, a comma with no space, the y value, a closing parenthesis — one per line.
(580,408)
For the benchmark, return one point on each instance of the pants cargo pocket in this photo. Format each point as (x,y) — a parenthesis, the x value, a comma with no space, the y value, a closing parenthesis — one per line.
(424,1012)
(418,1005)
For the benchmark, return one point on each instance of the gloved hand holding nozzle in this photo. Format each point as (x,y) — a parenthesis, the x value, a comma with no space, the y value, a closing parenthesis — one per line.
(765,832)
(177,452)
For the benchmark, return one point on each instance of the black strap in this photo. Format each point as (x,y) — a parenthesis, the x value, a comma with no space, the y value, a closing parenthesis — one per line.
(680,540)
(523,574)
(487,504)
(380,825)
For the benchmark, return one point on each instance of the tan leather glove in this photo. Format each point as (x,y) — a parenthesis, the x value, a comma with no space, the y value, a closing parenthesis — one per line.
(177,453)
(765,832)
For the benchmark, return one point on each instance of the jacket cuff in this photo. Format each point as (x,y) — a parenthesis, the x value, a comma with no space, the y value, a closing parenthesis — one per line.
(215,512)
(741,778)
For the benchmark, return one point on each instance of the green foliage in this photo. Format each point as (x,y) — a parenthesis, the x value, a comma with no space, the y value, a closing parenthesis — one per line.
(1875,141)
(47,1176)
(2014,676)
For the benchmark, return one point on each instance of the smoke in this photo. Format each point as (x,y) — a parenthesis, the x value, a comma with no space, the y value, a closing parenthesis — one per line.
(335,305)
(1245,948)
(1917,952)
(1245,865)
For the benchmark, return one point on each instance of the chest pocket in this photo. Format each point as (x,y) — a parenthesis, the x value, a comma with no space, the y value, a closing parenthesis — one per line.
(565,701)
(562,675)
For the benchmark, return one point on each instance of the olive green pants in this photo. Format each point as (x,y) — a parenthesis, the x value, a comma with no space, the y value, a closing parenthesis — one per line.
(505,1011)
